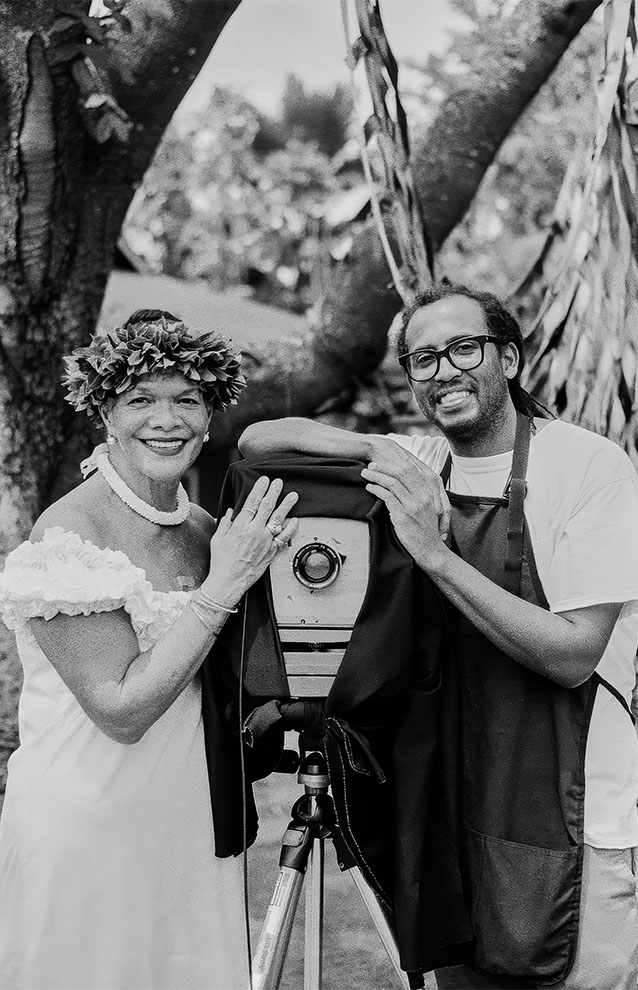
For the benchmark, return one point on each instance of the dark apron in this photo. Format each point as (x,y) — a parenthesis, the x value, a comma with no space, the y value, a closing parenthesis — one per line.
(515,759)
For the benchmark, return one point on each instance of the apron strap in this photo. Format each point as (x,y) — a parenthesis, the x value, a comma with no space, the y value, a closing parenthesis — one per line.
(515,494)
(616,693)
(516,517)
(446,470)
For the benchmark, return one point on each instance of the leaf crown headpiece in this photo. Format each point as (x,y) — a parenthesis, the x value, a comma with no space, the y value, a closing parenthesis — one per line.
(151,341)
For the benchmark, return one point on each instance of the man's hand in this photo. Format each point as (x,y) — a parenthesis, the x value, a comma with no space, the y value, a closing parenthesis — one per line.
(415,498)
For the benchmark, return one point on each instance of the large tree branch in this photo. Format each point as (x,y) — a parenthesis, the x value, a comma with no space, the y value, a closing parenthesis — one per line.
(152,65)
(451,159)
(150,69)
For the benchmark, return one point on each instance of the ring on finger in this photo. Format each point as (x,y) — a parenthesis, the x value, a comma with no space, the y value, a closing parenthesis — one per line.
(251,512)
(280,543)
(274,528)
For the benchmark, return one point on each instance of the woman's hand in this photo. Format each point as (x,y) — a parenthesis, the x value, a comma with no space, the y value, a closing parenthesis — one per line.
(415,498)
(242,548)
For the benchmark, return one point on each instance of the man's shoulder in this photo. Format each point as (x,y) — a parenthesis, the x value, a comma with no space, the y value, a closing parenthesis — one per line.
(432,450)
(573,458)
(572,443)
(561,430)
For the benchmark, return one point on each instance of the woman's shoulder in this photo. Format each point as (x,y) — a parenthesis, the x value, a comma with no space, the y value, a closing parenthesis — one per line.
(63,572)
(64,557)
(78,511)
(65,565)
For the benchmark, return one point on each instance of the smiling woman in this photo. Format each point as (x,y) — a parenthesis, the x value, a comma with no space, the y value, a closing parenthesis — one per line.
(158,425)
(108,876)
(155,386)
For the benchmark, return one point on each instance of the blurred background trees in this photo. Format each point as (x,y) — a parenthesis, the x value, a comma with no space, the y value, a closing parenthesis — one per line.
(238,199)
(508,218)
(263,203)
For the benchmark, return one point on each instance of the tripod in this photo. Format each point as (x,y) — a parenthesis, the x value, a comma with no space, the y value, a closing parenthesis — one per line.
(302,851)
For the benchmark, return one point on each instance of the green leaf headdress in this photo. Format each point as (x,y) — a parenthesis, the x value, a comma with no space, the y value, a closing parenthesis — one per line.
(151,341)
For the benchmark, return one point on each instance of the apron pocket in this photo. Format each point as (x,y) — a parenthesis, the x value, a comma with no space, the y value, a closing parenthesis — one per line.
(525,904)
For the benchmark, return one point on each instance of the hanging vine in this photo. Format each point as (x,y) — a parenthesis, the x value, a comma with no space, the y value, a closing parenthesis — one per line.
(385,151)
(583,344)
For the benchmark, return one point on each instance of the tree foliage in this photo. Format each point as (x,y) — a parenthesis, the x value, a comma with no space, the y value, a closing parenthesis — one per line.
(240,199)
(222,204)
(316,117)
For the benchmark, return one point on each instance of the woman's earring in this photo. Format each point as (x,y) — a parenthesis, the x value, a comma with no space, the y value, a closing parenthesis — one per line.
(206,437)
(110,440)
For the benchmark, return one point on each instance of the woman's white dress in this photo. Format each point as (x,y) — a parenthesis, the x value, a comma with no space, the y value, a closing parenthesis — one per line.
(108,878)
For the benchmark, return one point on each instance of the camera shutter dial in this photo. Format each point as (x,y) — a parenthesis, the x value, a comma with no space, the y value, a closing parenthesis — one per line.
(316,565)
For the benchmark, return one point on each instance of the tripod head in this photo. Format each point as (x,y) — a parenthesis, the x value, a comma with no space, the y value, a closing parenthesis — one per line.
(312,815)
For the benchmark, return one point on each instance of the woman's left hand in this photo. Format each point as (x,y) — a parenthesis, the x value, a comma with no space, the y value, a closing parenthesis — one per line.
(243,546)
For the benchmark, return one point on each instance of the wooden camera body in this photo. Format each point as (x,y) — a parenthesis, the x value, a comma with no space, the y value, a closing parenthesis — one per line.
(318,586)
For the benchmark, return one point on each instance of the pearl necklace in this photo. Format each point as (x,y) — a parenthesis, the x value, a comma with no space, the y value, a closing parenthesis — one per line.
(100,459)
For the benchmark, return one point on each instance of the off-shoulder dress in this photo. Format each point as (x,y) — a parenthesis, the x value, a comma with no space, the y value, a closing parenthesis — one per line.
(108,877)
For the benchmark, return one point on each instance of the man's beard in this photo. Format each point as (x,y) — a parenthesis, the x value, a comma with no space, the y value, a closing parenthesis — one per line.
(476,430)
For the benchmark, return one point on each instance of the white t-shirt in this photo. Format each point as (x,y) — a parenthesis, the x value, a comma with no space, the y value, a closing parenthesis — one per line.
(581,509)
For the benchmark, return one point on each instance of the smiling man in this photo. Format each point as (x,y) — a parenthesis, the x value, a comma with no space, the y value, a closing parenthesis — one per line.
(529,528)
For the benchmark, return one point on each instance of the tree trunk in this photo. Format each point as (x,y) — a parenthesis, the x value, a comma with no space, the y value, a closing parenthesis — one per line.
(64,193)
(344,339)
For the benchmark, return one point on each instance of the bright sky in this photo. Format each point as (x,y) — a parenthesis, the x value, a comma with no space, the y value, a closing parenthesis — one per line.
(265,40)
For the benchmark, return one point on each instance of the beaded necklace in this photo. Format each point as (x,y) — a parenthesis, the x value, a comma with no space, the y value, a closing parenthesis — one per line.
(100,459)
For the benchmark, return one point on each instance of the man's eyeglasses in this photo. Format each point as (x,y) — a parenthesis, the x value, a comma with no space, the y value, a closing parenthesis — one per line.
(463,354)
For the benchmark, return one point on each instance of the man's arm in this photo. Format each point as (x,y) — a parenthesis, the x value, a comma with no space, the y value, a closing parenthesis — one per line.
(295,435)
(566,647)
(305,436)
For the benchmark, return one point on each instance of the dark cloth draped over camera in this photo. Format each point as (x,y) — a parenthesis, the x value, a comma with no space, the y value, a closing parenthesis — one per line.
(386,695)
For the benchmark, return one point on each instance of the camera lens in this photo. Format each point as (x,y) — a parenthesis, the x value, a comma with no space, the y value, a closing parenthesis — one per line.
(316,565)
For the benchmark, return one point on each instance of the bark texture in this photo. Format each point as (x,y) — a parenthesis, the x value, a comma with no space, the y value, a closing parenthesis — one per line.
(451,159)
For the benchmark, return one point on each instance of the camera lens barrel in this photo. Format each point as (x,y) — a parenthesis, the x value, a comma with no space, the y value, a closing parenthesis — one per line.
(316,565)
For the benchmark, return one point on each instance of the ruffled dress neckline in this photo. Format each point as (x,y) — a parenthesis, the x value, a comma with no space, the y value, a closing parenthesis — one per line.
(64,573)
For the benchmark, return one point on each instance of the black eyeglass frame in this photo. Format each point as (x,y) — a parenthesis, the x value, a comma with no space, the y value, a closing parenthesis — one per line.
(480,339)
